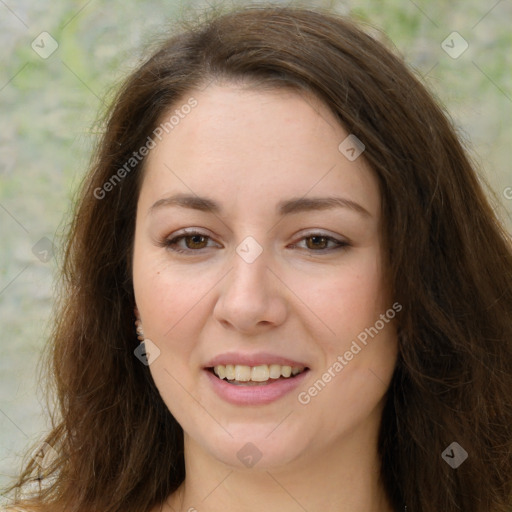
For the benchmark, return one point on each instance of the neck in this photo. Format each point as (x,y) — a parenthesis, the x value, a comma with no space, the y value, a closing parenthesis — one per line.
(341,478)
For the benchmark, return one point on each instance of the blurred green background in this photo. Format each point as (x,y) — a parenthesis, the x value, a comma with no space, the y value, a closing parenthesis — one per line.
(47,131)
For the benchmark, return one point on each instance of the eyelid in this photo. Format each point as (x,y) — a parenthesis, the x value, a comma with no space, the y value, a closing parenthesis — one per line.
(321,232)
(340,242)
(171,240)
(190,232)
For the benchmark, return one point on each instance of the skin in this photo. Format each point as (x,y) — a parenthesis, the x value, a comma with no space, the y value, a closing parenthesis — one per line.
(249,149)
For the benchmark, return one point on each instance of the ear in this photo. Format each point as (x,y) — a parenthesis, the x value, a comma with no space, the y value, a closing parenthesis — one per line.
(138,325)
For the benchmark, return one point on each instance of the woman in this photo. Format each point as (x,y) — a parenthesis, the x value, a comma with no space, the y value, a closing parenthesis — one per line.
(322,291)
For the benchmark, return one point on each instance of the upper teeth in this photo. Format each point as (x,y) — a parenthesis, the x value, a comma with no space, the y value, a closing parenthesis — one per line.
(260,373)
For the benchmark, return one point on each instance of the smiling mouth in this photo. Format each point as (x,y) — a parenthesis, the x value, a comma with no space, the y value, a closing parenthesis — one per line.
(242,375)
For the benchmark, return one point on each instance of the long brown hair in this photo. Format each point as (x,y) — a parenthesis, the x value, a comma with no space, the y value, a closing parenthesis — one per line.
(450,264)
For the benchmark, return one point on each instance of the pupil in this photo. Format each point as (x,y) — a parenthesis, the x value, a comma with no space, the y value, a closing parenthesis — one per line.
(196,240)
(317,241)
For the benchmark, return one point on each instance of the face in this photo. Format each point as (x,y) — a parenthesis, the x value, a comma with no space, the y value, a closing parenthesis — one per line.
(258,245)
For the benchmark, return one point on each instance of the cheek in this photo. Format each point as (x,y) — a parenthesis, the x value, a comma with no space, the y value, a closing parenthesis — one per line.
(347,390)
(167,298)
(171,309)
(348,299)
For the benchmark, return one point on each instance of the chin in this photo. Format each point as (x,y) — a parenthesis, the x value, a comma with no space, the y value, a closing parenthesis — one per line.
(254,450)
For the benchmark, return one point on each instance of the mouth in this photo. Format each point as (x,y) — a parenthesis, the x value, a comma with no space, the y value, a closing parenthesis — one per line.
(261,375)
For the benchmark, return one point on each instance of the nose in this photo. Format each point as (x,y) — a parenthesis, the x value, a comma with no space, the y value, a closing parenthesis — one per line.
(251,298)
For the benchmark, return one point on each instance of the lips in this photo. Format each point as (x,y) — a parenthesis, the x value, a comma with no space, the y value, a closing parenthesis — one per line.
(249,394)
(257,359)
(246,391)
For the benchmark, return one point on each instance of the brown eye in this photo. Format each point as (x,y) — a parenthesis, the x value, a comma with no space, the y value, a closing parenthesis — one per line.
(188,243)
(320,243)
(196,241)
(317,242)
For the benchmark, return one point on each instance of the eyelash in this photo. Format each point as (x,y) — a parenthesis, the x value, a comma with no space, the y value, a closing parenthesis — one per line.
(171,243)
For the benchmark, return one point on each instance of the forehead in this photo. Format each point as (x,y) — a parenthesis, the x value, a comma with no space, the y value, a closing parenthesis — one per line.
(249,144)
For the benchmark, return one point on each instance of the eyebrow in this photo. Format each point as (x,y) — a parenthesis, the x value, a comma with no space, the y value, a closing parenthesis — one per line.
(305,204)
(286,207)
(187,201)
